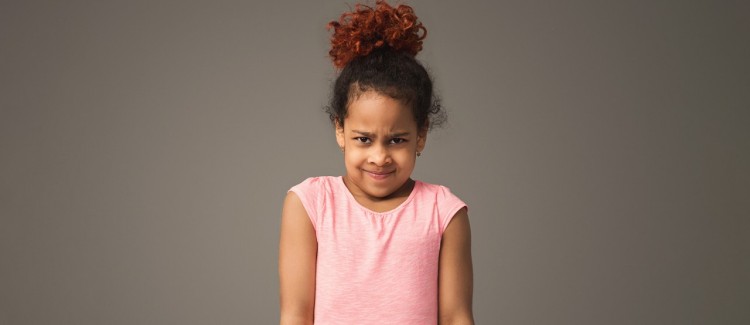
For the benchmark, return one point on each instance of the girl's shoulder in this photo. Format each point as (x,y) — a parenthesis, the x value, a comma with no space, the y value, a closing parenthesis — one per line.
(442,200)
(314,191)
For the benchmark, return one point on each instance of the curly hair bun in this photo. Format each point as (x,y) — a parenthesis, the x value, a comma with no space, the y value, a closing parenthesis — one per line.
(365,29)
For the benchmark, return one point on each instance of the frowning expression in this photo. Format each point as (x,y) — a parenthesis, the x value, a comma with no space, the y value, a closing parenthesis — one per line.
(380,139)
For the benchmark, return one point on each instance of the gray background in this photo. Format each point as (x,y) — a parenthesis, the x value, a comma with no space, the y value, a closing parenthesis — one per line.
(146,147)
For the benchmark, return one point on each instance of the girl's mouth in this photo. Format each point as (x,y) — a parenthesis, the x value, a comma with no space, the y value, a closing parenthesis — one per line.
(379,175)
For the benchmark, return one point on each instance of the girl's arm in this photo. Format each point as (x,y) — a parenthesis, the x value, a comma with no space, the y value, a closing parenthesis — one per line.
(298,249)
(455,280)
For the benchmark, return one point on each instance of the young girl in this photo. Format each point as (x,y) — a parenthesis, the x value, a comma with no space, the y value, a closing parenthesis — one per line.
(375,246)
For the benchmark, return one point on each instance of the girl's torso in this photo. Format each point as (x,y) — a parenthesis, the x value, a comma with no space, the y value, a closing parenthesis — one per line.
(376,267)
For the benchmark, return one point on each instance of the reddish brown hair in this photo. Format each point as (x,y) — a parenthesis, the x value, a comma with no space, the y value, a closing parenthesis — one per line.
(365,29)
(375,49)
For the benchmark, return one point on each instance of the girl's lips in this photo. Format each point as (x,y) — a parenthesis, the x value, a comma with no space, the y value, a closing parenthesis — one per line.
(378,175)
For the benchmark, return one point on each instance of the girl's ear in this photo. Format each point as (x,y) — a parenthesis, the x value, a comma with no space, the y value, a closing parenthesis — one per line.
(339,133)
(422,136)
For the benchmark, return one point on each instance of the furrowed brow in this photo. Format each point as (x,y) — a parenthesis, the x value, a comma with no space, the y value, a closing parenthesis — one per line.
(372,135)
(363,133)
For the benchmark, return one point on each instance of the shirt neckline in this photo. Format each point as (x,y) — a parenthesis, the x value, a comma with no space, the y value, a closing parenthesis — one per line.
(417,185)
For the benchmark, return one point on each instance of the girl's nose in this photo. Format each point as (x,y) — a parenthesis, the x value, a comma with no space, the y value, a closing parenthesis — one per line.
(379,156)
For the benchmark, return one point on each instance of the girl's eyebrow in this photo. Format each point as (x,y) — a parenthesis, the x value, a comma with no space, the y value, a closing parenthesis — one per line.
(372,135)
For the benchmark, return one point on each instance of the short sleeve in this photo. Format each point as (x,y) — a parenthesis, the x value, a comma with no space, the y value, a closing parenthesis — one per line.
(448,206)
(309,192)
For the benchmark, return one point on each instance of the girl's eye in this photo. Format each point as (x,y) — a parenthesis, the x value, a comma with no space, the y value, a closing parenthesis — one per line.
(398,140)
(362,139)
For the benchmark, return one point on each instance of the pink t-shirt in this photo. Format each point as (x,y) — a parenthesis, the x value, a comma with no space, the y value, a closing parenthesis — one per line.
(376,267)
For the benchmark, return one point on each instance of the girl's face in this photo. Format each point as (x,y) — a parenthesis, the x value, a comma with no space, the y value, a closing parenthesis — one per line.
(380,139)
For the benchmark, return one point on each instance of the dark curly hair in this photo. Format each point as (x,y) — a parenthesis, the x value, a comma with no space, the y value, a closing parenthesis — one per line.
(375,49)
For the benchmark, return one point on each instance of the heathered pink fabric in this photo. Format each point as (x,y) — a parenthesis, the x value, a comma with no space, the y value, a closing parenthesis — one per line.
(376,268)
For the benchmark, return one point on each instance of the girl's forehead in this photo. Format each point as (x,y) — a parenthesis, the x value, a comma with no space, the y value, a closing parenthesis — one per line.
(379,111)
